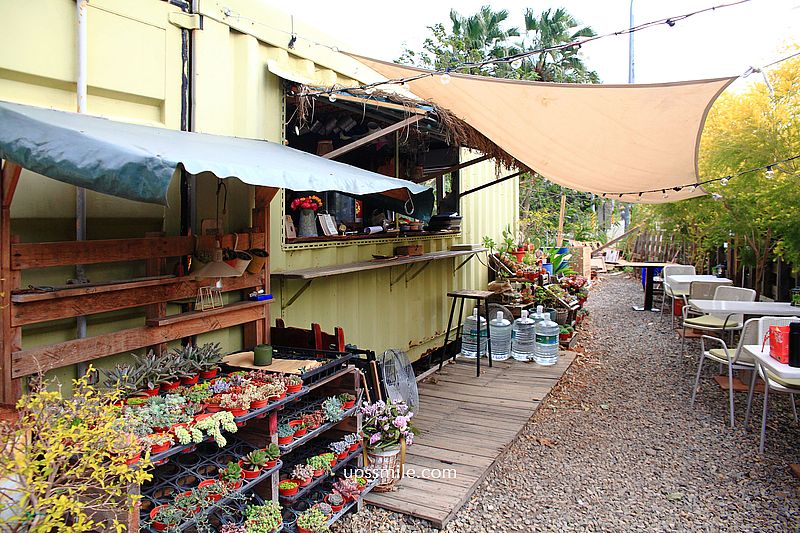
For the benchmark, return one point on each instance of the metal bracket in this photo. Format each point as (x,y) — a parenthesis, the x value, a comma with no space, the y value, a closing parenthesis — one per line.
(299,292)
(187,21)
(464,262)
(418,272)
(393,282)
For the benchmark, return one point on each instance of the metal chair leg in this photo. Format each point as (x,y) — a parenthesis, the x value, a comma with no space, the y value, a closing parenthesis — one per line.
(478,343)
(764,418)
(460,321)
(794,407)
(697,378)
(730,389)
(488,332)
(683,340)
(447,333)
(753,377)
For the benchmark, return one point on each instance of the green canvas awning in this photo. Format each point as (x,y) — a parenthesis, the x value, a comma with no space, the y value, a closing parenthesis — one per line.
(137,162)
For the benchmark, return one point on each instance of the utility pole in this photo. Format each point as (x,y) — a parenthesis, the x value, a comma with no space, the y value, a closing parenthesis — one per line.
(625,211)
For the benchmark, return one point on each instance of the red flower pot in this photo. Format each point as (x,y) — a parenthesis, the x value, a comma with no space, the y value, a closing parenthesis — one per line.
(564,337)
(291,389)
(277,397)
(159,448)
(333,463)
(349,405)
(206,483)
(258,404)
(152,392)
(288,492)
(303,530)
(353,447)
(318,473)
(519,256)
(304,482)
(133,459)
(285,440)
(213,408)
(209,374)
(249,474)
(202,416)
(271,464)
(334,508)
(238,412)
(343,455)
(170,385)
(236,484)
(158,526)
(300,432)
(191,380)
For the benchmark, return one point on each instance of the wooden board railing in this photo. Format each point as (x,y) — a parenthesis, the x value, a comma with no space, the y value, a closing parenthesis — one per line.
(32,308)
(31,361)
(52,254)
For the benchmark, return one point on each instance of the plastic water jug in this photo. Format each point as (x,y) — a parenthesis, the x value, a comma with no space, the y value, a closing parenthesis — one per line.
(523,338)
(546,352)
(469,336)
(500,328)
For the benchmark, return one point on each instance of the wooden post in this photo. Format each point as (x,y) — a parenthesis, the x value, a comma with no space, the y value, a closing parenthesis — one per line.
(9,280)
(560,236)
(155,267)
(258,332)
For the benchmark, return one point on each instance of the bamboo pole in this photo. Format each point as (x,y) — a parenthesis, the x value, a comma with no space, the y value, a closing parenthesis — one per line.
(560,236)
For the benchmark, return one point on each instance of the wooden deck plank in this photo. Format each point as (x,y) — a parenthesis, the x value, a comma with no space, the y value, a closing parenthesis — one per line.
(467,424)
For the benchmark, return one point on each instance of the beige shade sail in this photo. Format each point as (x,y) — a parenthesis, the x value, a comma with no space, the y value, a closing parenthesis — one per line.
(605,139)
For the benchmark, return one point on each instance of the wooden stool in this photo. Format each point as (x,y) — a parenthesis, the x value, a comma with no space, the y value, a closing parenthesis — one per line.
(478,296)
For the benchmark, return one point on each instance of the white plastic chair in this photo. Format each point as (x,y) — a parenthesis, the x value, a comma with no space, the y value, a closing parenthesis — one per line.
(738,360)
(718,322)
(673,292)
(771,382)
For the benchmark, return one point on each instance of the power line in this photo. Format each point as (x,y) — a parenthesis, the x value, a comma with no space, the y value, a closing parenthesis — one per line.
(445,72)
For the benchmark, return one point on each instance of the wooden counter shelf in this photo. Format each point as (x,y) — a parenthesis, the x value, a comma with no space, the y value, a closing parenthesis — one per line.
(367,236)
(191,315)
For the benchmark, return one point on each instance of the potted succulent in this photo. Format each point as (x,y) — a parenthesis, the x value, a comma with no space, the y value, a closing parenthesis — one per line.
(264,518)
(288,487)
(324,508)
(188,359)
(319,464)
(299,427)
(215,489)
(565,333)
(335,500)
(340,449)
(352,440)
(213,424)
(232,474)
(272,453)
(123,377)
(293,383)
(303,474)
(348,400)
(157,442)
(328,456)
(285,434)
(186,434)
(235,402)
(313,420)
(348,488)
(167,516)
(312,521)
(256,395)
(252,463)
(209,357)
(332,409)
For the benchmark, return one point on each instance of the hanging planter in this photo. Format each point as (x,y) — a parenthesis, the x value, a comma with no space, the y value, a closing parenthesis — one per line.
(259,260)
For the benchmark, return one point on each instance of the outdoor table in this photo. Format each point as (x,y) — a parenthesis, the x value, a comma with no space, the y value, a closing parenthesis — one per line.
(745,308)
(681,282)
(648,285)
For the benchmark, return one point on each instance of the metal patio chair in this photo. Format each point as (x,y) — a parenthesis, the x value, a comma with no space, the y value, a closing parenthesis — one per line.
(673,292)
(716,322)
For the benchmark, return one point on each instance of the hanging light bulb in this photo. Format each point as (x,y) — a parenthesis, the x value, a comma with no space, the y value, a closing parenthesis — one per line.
(664,193)
(517,63)
(724,181)
(716,197)
(332,97)
(769,174)
(445,78)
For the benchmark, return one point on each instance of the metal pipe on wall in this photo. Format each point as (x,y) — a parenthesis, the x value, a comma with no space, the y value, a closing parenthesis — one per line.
(80,192)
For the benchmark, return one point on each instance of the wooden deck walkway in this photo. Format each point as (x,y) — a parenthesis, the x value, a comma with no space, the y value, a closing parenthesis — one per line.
(466,424)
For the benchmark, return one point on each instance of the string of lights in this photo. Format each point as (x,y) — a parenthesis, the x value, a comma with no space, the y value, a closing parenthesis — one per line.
(515,60)
(722,180)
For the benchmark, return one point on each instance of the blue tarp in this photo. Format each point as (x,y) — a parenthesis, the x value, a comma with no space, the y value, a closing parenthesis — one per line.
(137,162)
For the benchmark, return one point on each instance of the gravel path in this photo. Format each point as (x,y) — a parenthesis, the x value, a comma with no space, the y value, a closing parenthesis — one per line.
(616,447)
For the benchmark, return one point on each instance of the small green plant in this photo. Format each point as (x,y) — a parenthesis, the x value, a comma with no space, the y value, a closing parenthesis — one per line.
(254,460)
(272,451)
(214,425)
(293,379)
(328,456)
(197,393)
(189,434)
(302,471)
(171,515)
(324,508)
(335,499)
(313,520)
(350,439)
(285,430)
(318,462)
(346,397)
(123,377)
(332,409)
(231,473)
(287,485)
(264,518)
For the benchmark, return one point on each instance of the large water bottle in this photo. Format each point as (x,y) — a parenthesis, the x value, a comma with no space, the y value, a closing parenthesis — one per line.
(469,336)
(546,353)
(523,338)
(500,328)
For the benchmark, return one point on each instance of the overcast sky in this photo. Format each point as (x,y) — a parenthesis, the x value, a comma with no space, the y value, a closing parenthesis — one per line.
(719,43)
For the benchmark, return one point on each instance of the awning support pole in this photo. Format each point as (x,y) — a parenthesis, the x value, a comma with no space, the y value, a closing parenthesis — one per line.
(372,136)
(459,166)
(495,182)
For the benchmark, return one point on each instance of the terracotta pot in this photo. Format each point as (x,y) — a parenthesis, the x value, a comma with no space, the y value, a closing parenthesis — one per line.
(170,385)
(334,508)
(291,389)
(206,483)
(564,337)
(158,526)
(202,416)
(213,408)
(333,463)
(349,405)
(285,440)
(288,492)
(209,374)
(519,255)
(353,447)
(133,459)
(258,404)
(249,474)
(238,412)
(191,380)
(152,392)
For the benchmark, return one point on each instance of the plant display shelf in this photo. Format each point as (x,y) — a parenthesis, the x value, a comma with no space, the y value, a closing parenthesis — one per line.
(199,465)
(371,485)
(307,406)
(272,406)
(317,447)
(338,361)
(298,506)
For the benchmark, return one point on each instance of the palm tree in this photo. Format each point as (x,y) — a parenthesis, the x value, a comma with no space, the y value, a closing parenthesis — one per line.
(482,34)
(552,28)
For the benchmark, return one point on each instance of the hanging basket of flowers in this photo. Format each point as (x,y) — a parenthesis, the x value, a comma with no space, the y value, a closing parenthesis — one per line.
(387,432)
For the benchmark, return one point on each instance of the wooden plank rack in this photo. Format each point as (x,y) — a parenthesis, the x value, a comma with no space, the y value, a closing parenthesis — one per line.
(466,425)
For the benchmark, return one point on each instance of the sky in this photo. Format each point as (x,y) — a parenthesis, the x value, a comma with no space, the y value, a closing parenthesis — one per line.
(720,43)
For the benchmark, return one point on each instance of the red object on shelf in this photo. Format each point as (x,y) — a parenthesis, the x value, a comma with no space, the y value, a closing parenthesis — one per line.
(334,508)
(289,492)
(258,404)
(349,405)
(677,306)
(209,374)
(249,474)
(238,412)
(152,392)
(170,385)
(291,389)
(158,526)
(206,483)
(285,440)
(190,380)
(353,447)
